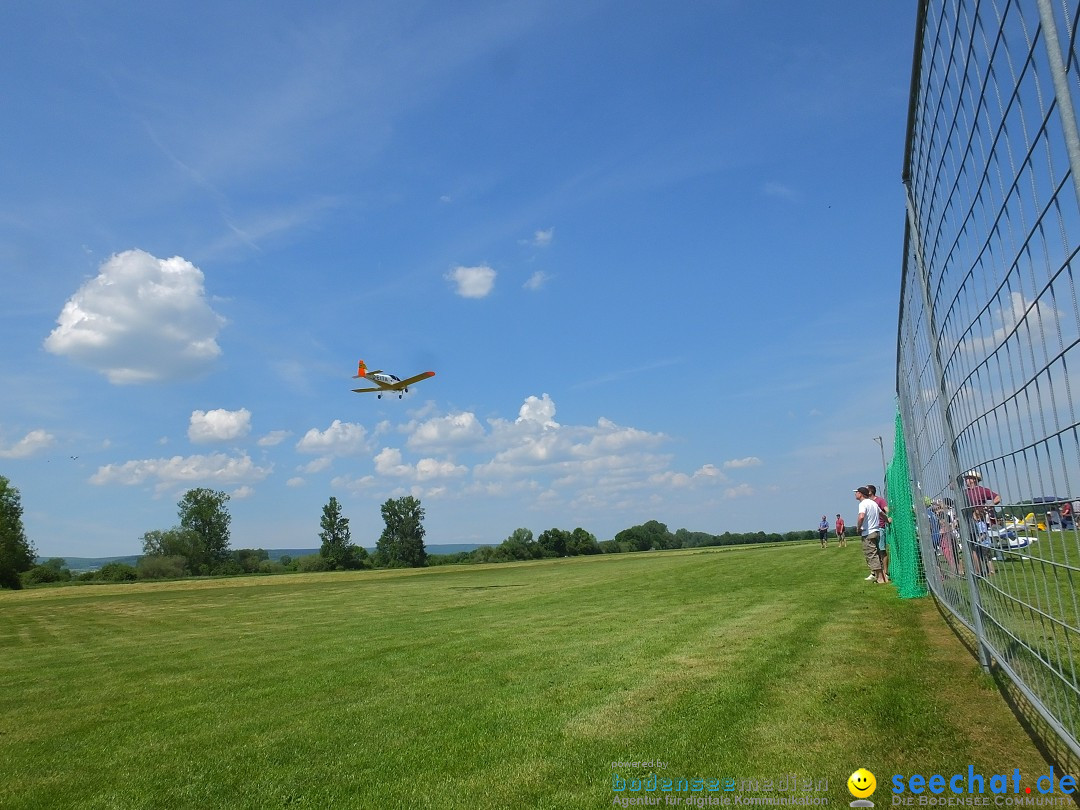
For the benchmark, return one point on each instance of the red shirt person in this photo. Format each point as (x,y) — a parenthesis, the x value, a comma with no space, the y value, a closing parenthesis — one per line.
(977,494)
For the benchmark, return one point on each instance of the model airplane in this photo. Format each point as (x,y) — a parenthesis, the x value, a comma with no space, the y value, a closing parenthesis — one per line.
(387,382)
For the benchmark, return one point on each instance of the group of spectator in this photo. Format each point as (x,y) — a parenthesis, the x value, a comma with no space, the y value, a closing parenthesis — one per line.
(823,532)
(872,524)
(981,517)
(874,521)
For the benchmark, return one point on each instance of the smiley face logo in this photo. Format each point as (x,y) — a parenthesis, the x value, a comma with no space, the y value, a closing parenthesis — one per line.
(861,783)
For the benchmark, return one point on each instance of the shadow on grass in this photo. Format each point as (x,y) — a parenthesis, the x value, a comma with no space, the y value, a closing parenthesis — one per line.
(1053,749)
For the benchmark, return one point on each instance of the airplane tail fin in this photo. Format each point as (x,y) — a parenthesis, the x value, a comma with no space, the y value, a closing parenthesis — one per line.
(361,370)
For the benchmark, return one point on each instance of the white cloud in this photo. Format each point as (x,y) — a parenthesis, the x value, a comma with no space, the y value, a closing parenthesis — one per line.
(243,492)
(543,238)
(297,481)
(705,474)
(28,445)
(217,468)
(454,429)
(536,281)
(473,282)
(141,319)
(274,437)
(219,425)
(537,411)
(340,439)
(739,463)
(317,465)
(389,462)
(347,482)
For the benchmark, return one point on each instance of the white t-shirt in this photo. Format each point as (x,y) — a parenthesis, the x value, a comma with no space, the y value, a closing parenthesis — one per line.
(872,516)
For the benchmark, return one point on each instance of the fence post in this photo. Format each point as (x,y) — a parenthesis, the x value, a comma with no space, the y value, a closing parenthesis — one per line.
(1060,75)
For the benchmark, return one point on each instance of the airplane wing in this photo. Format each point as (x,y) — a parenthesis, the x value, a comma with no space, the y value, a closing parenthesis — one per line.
(411,380)
(365,390)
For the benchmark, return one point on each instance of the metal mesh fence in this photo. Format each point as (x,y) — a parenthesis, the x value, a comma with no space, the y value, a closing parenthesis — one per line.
(989,329)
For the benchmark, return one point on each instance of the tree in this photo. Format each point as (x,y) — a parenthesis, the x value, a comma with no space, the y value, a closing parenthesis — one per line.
(203,512)
(520,545)
(174,542)
(16,552)
(336,548)
(553,542)
(582,542)
(401,545)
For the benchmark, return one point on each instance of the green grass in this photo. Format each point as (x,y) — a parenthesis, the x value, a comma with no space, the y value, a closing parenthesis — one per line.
(514,685)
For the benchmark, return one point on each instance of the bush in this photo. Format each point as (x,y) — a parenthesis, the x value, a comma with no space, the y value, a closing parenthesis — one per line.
(270,567)
(117,572)
(156,567)
(312,562)
(41,574)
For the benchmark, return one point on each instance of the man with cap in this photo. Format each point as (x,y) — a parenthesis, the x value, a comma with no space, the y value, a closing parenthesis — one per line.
(869,526)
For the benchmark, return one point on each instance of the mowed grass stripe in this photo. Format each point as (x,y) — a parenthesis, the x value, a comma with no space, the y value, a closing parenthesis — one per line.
(483,686)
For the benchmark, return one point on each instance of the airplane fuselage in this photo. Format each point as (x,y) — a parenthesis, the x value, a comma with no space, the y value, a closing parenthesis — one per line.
(387,379)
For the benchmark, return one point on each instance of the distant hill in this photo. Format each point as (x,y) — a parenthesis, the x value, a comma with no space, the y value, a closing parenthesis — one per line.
(80,564)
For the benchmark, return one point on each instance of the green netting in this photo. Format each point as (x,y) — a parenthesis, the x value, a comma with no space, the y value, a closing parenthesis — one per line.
(905,564)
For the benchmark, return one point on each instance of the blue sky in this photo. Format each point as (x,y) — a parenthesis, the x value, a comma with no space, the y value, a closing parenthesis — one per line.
(652,252)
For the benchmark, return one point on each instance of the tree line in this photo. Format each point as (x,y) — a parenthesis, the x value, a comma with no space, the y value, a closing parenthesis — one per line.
(199,545)
(649,536)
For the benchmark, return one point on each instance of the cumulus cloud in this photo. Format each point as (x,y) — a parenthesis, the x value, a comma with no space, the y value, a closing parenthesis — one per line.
(219,425)
(537,281)
(389,462)
(28,445)
(217,468)
(340,439)
(739,463)
(454,429)
(537,412)
(473,282)
(141,319)
(243,492)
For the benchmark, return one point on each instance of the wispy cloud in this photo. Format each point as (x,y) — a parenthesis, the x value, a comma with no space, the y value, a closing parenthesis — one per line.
(536,281)
(780,191)
(614,376)
(540,239)
(740,463)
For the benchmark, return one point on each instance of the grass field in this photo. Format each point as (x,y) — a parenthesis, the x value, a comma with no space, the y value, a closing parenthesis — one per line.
(514,685)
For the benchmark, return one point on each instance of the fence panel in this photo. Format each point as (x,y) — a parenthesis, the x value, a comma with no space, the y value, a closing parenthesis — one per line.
(989,330)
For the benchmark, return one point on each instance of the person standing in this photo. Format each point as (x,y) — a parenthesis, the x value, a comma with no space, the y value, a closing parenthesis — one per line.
(841,541)
(823,532)
(869,527)
(977,494)
(885,520)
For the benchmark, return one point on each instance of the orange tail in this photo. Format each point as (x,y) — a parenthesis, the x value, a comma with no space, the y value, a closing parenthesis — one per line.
(361,370)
